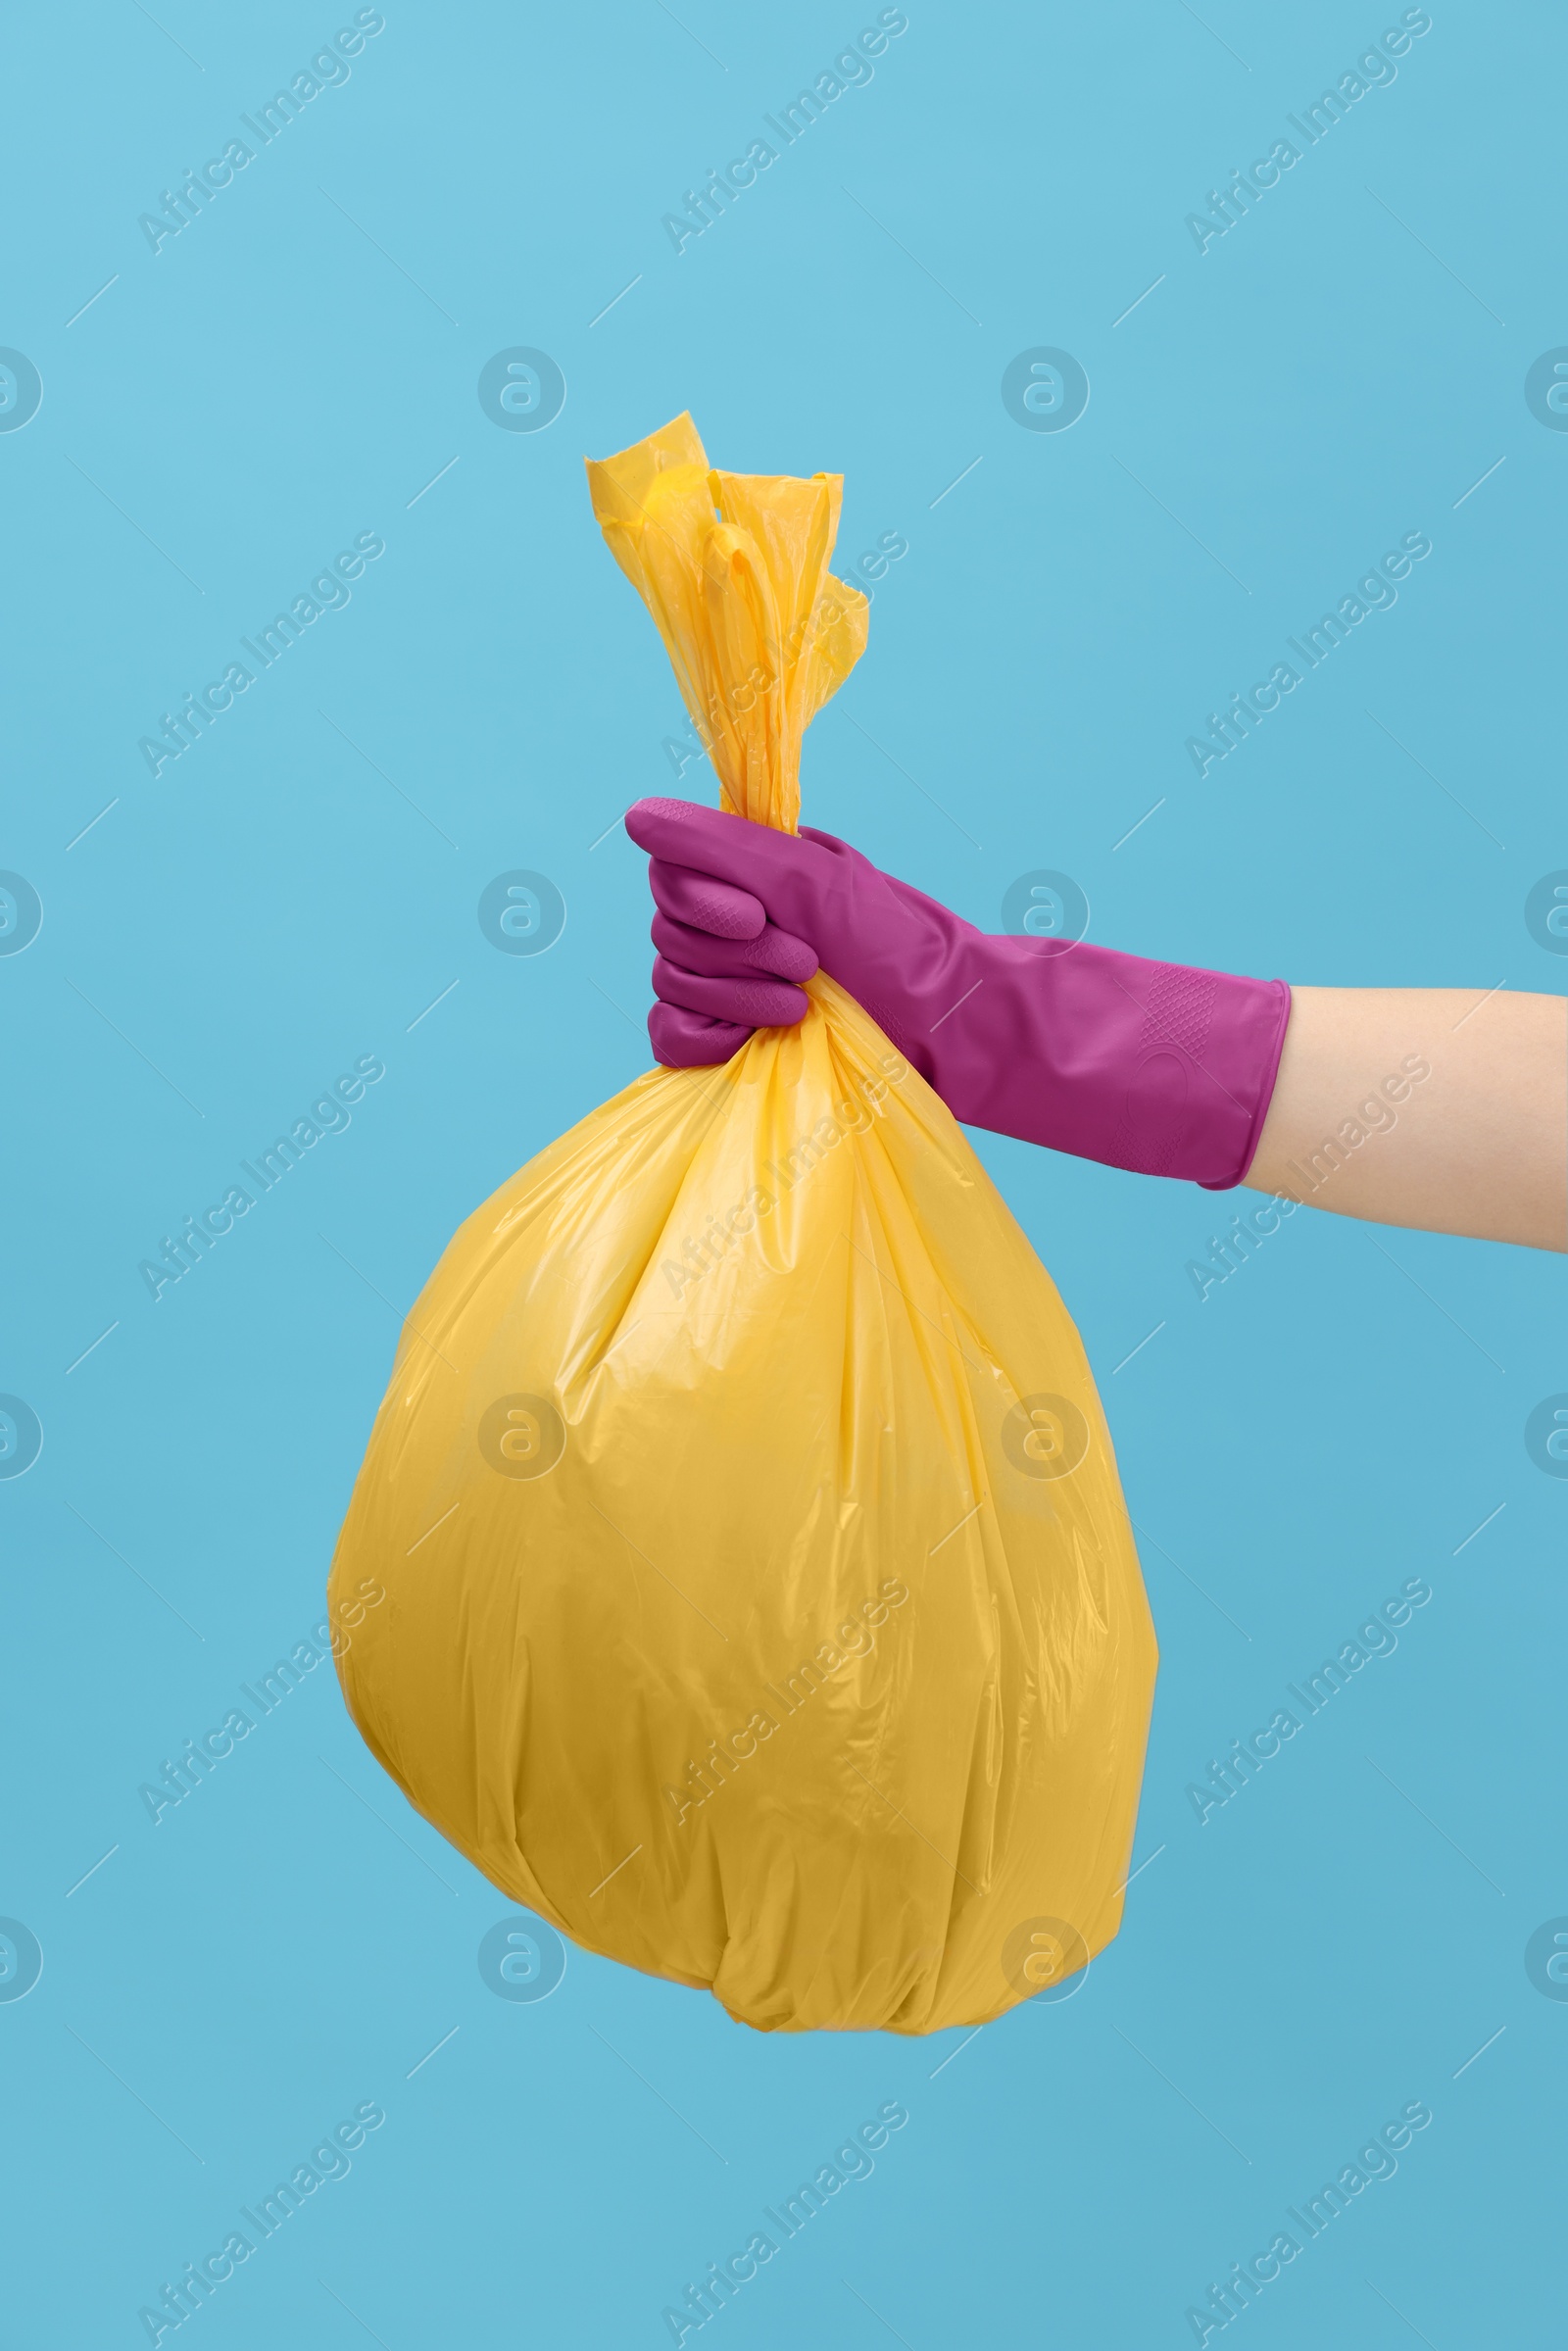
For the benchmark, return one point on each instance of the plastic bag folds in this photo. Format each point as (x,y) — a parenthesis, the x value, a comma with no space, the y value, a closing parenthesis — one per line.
(761,1606)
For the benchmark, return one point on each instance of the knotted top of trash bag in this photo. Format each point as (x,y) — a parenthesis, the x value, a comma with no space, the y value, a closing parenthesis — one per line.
(733,567)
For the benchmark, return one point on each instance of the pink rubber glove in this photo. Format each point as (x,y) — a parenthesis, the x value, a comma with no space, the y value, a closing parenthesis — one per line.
(1149,1067)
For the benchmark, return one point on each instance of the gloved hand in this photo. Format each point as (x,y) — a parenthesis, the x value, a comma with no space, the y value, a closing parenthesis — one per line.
(1149,1067)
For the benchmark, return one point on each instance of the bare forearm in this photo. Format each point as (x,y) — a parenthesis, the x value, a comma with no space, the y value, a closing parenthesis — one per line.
(1429,1107)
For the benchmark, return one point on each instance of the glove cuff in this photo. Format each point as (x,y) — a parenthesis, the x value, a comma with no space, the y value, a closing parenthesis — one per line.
(1154,1067)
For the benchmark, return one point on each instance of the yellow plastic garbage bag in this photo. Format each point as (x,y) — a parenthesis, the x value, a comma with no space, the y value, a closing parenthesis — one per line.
(761,1604)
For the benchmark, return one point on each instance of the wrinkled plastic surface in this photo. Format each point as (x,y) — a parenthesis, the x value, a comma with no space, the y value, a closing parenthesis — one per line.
(760,1603)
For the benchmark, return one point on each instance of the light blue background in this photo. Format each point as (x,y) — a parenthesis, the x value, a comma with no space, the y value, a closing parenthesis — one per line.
(1334,1420)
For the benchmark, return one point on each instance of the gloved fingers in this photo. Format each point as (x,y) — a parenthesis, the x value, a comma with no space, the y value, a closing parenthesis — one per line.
(790,878)
(704,903)
(749,1002)
(688,1041)
(773,951)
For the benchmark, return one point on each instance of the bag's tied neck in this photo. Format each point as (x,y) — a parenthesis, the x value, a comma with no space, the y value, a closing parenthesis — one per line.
(733,567)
